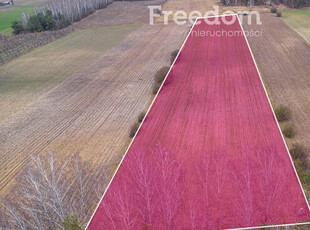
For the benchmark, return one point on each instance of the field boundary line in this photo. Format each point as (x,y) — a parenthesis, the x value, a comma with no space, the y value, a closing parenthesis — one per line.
(279,225)
(259,227)
(271,226)
(274,115)
(141,123)
(298,33)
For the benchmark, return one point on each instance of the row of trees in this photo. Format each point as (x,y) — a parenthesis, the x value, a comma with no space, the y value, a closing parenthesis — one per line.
(152,190)
(57,14)
(294,3)
(243,2)
(149,194)
(289,3)
(52,194)
(39,22)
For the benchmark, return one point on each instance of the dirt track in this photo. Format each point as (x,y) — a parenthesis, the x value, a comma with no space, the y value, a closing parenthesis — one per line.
(284,59)
(91,112)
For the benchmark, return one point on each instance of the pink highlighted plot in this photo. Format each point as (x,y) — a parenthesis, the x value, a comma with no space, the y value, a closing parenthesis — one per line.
(209,154)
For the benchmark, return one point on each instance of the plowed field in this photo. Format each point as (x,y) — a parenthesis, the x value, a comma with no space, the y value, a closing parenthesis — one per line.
(210,154)
(91,111)
(283,58)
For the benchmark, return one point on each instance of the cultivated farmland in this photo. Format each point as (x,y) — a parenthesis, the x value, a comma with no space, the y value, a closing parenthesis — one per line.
(25,79)
(91,111)
(283,58)
(187,6)
(209,154)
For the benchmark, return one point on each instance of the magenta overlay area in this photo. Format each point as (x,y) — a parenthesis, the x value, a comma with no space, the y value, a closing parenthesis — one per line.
(209,154)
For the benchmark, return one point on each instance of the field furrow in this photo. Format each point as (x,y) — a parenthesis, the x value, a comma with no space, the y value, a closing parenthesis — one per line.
(209,154)
(91,111)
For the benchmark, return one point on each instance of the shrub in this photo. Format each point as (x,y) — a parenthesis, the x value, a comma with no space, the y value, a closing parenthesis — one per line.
(273,10)
(71,223)
(298,152)
(301,166)
(133,130)
(61,21)
(34,24)
(47,21)
(174,55)
(156,87)
(279,14)
(141,117)
(161,74)
(17,27)
(41,22)
(306,178)
(287,130)
(283,113)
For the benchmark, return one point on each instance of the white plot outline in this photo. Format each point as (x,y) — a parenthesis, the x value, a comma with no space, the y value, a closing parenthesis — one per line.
(141,123)
(287,150)
(253,59)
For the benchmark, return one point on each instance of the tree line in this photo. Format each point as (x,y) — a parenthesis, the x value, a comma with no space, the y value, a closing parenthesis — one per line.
(152,190)
(294,3)
(52,193)
(289,3)
(56,14)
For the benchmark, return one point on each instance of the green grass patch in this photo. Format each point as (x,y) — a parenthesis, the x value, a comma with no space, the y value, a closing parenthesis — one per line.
(27,77)
(298,20)
(8,16)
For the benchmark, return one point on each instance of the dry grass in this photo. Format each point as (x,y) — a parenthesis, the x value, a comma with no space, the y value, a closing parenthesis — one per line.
(187,6)
(237,9)
(299,20)
(26,78)
(91,111)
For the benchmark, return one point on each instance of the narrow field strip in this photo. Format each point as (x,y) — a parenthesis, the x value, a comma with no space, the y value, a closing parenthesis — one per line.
(209,154)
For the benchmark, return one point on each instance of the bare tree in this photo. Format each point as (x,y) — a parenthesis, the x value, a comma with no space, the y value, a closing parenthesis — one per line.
(196,216)
(118,207)
(203,171)
(72,10)
(144,178)
(146,191)
(271,171)
(168,185)
(243,180)
(220,162)
(47,193)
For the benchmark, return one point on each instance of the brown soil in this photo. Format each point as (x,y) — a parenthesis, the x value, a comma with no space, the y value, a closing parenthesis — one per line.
(283,58)
(91,112)
(187,6)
